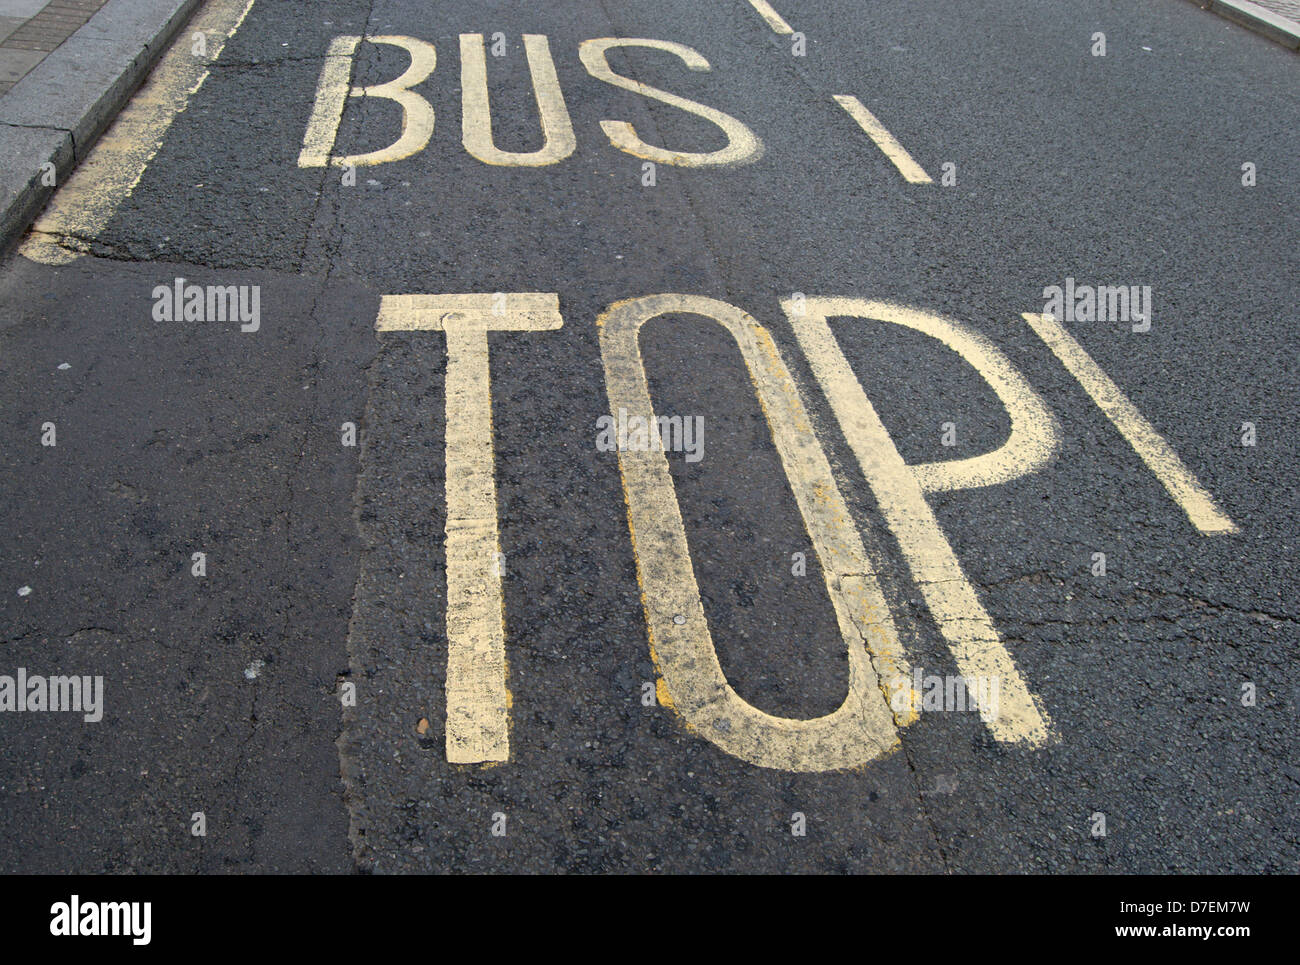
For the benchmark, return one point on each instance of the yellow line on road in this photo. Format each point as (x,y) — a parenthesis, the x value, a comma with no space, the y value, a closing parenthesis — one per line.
(887,143)
(83,206)
(962,619)
(743,146)
(1159,456)
(558,140)
(478,701)
(693,683)
(499,312)
(774,19)
(331,98)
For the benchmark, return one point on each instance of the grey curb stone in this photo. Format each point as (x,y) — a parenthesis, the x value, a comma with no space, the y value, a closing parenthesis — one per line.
(1253,16)
(56,112)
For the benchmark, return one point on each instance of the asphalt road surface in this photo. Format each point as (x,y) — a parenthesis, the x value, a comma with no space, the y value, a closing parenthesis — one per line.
(445,648)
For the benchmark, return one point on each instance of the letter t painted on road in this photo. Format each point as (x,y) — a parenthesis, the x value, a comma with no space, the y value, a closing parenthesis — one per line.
(477,698)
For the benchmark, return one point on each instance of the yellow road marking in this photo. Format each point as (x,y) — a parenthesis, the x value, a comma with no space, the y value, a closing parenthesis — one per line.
(331,97)
(1159,456)
(692,682)
(83,206)
(742,144)
(1034,433)
(480,312)
(887,143)
(774,19)
(476,114)
(334,87)
(478,700)
(976,646)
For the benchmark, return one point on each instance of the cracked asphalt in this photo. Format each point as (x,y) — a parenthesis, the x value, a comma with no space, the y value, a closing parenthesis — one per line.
(326,570)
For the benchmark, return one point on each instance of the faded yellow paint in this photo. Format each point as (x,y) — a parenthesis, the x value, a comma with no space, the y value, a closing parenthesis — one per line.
(1034,433)
(83,206)
(887,143)
(480,312)
(662,695)
(743,146)
(691,679)
(417,113)
(900,492)
(476,113)
(478,698)
(331,97)
(1149,444)
(774,19)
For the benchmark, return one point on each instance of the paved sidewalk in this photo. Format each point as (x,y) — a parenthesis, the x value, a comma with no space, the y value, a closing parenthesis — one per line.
(66,69)
(30,29)
(1283,8)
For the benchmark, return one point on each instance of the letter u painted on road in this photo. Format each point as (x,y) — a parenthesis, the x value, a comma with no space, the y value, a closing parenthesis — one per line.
(476,114)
